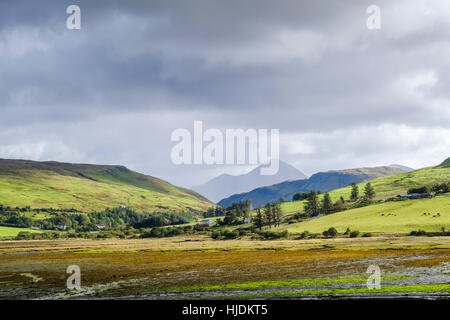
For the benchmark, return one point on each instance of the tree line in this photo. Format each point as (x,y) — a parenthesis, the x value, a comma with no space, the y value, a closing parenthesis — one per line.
(438,188)
(270,215)
(110,218)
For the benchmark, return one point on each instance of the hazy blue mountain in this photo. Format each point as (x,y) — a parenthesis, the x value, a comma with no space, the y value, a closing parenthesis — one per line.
(225,185)
(323,181)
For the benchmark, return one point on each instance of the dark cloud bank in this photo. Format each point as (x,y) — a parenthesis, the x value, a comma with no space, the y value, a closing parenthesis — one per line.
(112,92)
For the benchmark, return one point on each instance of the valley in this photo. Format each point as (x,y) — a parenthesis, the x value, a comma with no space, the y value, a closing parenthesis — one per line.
(191,248)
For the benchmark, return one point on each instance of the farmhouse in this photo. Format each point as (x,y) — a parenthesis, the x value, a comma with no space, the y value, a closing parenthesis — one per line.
(206,223)
(416,196)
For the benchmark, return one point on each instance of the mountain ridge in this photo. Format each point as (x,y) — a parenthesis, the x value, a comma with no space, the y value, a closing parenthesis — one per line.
(323,181)
(225,184)
(399,166)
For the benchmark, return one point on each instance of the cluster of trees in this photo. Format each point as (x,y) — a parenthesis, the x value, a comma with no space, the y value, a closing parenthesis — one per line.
(441,233)
(4,209)
(423,189)
(438,188)
(237,212)
(270,235)
(161,219)
(217,211)
(110,218)
(270,215)
(18,216)
(331,233)
(15,219)
(441,188)
(299,196)
(369,192)
(314,207)
(249,231)
(25,235)
(225,234)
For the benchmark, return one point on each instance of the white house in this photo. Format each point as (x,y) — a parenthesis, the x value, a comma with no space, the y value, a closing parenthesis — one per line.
(206,223)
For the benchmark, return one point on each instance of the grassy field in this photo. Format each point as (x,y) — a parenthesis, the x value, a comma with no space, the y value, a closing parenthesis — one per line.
(387,217)
(205,243)
(89,188)
(12,232)
(392,186)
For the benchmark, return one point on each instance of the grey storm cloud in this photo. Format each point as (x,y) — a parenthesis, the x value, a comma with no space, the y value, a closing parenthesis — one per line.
(113,91)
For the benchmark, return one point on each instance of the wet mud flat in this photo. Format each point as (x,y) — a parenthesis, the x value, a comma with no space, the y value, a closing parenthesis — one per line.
(314,273)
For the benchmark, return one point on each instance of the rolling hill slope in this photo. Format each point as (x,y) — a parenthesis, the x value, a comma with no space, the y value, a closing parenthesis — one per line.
(386,217)
(89,187)
(389,186)
(392,186)
(324,181)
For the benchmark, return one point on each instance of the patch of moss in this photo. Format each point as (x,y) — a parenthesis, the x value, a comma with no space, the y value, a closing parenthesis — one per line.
(317,281)
(428,288)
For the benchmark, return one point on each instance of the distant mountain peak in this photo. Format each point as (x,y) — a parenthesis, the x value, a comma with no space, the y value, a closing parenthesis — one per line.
(282,166)
(225,185)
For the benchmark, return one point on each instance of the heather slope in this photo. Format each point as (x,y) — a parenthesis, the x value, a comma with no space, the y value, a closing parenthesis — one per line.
(90,187)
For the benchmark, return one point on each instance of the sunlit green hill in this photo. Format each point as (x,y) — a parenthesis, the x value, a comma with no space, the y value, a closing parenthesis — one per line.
(89,187)
(386,217)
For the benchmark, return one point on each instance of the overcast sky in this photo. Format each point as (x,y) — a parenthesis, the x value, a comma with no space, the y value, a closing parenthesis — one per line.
(342,95)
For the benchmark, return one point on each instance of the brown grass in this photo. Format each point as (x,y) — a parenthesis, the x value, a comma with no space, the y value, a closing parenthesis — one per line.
(161,264)
(188,243)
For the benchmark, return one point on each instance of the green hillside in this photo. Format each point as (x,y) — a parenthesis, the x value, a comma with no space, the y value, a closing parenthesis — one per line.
(386,217)
(389,186)
(324,181)
(445,164)
(87,187)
